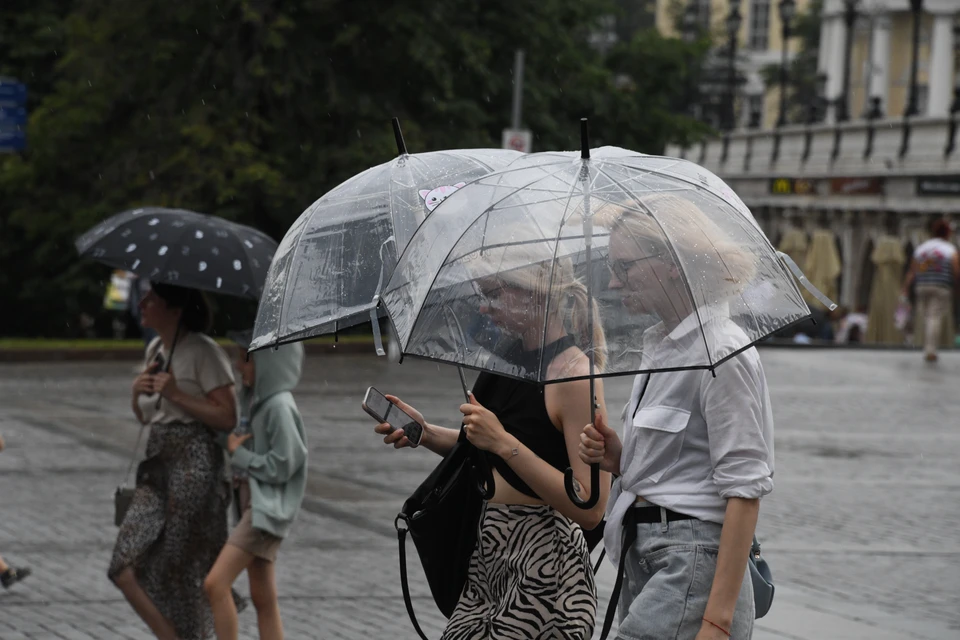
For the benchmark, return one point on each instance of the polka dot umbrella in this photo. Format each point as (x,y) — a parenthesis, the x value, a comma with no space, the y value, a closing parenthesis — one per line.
(184,248)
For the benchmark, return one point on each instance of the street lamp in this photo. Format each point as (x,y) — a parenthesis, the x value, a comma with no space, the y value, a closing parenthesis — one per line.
(816,108)
(913,107)
(788,9)
(690,30)
(849,20)
(734,21)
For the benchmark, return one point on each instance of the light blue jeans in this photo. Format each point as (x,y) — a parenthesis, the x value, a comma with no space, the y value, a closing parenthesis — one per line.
(667,579)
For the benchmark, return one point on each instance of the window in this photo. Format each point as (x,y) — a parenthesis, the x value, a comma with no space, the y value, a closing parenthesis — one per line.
(703,14)
(758,37)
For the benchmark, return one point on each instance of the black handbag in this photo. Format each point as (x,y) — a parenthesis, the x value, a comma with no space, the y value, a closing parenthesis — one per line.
(442,517)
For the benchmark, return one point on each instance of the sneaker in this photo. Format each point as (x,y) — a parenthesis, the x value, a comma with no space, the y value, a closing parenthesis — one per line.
(12,576)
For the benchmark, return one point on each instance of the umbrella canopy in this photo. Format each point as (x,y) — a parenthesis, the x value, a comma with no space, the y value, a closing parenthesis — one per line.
(183,248)
(888,259)
(823,264)
(334,260)
(530,245)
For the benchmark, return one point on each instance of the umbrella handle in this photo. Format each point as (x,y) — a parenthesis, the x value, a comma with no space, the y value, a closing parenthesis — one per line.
(569,480)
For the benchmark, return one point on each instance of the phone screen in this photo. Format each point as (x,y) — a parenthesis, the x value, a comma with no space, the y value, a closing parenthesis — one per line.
(379,405)
(388,412)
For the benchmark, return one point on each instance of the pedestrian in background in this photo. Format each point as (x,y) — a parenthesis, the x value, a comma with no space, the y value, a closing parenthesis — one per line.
(935,270)
(176,524)
(9,576)
(271,458)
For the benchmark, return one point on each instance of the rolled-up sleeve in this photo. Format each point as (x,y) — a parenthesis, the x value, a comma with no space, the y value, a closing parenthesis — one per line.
(736,407)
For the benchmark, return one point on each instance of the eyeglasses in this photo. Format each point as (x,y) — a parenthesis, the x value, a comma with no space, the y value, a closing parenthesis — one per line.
(620,268)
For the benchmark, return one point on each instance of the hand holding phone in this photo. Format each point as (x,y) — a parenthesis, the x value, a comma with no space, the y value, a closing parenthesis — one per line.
(381,409)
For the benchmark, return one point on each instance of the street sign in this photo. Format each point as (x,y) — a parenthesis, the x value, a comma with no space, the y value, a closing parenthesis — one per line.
(517,139)
(12,93)
(12,117)
(12,140)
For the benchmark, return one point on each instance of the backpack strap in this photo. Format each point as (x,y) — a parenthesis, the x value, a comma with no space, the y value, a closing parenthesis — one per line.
(401,538)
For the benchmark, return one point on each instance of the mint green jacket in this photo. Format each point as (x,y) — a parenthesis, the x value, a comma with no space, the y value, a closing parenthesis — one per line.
(276,457)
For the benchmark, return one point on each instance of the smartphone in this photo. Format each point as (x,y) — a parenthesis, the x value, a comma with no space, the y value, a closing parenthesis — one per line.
(382,410)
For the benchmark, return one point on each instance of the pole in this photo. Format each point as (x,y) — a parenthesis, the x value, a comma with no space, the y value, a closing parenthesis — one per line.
(784,71)
(913,108)
(849,19)
(517,89)
(731,85)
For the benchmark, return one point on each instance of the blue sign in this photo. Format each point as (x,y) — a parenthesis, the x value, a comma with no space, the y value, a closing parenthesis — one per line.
(11,117)
(12,140)
(13,93)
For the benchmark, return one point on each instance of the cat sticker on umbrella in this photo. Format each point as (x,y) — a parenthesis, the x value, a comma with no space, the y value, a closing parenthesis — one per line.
(433,197)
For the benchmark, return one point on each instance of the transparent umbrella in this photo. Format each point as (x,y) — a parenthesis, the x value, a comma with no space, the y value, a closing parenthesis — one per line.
(646,267)
(332,263)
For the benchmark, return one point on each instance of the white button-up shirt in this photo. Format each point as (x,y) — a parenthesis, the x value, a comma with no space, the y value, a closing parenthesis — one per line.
(693,440)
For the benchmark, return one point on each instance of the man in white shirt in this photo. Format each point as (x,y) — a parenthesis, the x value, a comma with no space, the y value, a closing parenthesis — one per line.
(935,269)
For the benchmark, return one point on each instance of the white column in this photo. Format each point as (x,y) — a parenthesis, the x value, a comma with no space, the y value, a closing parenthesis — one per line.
(941,66)
(837,48)
(880,61)
(823,54)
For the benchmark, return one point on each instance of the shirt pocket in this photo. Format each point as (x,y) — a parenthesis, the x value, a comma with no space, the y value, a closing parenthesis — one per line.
(659,438)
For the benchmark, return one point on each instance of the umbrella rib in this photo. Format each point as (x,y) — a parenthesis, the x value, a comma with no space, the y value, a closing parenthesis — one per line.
(286,281)
(686,279)
(553,269)
(455,243)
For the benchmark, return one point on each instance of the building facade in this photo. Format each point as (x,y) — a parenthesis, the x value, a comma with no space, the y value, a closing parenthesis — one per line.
(759,45)
(879,154)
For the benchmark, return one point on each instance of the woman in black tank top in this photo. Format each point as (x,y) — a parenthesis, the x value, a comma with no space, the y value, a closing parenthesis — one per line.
(530,575)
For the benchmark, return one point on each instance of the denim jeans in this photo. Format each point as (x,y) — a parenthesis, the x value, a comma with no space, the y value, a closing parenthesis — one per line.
(668,575)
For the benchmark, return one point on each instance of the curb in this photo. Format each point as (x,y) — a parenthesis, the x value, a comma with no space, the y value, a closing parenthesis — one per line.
(133,354)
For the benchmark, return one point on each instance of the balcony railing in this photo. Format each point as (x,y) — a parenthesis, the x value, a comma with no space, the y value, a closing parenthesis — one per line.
(887,147)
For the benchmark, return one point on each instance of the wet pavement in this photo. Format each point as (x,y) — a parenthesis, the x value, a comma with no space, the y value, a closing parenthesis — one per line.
(862,530)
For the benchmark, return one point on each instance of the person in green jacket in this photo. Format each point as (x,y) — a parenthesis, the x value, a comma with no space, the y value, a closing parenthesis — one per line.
(271,461)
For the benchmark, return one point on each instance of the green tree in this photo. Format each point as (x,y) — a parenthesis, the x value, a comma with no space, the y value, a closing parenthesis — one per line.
(252,109)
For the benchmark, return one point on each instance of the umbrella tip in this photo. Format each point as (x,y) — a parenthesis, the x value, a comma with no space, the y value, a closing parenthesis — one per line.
(398,135)
(584,139)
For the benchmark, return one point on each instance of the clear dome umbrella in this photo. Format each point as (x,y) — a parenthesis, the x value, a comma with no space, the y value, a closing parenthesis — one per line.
(644,265)
(329,269)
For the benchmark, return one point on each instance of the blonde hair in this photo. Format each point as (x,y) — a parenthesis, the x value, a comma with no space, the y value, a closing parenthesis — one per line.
(554,281)
(684,226)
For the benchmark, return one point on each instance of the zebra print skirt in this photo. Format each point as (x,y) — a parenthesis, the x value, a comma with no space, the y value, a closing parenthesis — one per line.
(530,577)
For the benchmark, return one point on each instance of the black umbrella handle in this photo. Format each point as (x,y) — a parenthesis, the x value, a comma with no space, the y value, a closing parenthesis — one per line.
(570,482)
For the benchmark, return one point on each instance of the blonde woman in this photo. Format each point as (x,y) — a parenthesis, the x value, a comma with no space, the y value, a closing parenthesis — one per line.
(697,453)
(530,574)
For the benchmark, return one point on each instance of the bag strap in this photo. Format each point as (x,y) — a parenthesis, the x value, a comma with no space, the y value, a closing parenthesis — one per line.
(401,538)
(629,536)
(133,456)
(151,354)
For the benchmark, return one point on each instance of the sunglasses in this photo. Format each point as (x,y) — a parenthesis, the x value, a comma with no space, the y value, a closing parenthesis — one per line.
(620,268)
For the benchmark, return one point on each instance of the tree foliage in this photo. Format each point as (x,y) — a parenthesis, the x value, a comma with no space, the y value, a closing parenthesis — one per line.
(252,109)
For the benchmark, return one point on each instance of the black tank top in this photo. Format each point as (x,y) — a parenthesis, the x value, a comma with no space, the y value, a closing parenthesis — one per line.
(521,408)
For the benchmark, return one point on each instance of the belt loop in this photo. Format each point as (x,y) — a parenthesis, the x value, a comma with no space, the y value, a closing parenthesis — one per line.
(664,527)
